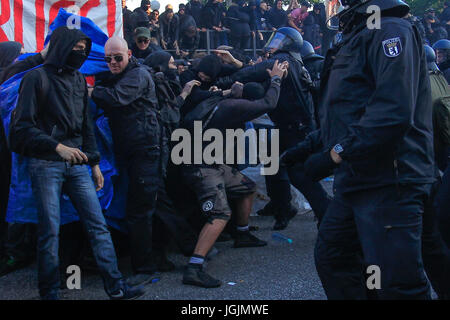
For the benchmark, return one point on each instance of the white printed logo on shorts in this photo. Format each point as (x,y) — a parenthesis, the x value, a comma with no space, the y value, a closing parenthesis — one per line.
(207,206)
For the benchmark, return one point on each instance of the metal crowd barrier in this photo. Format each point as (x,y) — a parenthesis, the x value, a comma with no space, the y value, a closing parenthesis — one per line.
(208,48)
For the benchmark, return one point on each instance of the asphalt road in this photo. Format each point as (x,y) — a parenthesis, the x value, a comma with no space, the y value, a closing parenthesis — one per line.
(279,271)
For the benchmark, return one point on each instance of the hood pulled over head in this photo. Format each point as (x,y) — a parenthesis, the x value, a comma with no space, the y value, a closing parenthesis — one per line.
(62,41)
(9,51)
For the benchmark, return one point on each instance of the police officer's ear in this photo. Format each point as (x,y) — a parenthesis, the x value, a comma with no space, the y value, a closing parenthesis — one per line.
(129,54)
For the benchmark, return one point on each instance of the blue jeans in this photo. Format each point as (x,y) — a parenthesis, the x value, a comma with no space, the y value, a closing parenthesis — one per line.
(48,179)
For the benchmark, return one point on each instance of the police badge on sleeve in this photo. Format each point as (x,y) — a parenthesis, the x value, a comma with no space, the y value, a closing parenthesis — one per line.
(392,47)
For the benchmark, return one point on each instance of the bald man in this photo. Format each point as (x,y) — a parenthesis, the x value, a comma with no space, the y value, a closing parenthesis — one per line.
(129,100)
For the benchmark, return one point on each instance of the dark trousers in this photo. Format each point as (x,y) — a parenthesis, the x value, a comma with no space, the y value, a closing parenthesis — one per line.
(240,42)
(278,186)
(381,227)
(436,255)
(21,241)
(142,168)
(443,207)
(169,224)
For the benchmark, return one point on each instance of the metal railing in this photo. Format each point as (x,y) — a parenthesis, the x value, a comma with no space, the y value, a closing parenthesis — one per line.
(208,48)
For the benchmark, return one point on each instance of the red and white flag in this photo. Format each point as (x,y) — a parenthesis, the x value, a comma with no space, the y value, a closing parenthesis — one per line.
(27,21)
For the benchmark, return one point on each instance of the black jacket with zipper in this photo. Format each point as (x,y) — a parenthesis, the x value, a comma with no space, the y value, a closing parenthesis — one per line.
(130,102)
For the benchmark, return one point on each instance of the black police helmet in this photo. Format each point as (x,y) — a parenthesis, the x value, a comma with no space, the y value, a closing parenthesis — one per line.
(431,58)
(307,49)
(285,39)
(442,44)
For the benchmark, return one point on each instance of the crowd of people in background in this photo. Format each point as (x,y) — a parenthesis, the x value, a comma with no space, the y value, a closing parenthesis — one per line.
(245,25)
(160,78)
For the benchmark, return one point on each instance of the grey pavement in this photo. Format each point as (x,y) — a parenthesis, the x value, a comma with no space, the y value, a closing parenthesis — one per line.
(279,271)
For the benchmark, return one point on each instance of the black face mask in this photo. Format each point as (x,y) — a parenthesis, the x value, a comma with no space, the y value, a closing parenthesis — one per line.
(76,59)
(171,74)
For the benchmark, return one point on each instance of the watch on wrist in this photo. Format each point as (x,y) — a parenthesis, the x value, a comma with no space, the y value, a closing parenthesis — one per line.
(338,148)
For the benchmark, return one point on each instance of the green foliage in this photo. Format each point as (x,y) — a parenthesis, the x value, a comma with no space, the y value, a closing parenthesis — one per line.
(418,7)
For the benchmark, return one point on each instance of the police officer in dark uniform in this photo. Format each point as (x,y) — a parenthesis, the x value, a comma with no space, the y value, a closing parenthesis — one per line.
(314,65)
(442,49)
(294,117)
(376,130)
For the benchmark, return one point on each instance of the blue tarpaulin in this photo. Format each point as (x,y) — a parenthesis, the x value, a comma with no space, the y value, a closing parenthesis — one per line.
(21,204)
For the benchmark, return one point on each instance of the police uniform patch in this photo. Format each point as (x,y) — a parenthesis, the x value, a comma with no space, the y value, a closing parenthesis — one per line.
(207,206)
(392,47)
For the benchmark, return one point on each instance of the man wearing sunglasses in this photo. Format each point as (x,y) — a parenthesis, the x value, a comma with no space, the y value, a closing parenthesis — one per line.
(129,100)
(141,48)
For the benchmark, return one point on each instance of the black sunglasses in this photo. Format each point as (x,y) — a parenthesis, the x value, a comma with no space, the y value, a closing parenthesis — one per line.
(117,58)
(143,40)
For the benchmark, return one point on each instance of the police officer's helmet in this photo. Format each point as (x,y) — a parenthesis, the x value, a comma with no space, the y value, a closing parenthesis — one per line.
(285,39)
(431,58)
(442,44)
(307,49)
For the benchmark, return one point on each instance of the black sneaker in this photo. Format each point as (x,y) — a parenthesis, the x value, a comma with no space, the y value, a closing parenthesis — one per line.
(8,265)
(195,276)
(266,211)
(163,264)
(246,239)
(142,279)
(281,223)
(127,292)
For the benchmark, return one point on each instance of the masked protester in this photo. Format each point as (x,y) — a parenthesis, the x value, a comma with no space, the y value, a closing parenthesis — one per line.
(206,71)
(217,186)
(167,222)
(52,128)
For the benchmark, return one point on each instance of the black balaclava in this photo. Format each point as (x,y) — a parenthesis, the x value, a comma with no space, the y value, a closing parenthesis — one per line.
(253,91)
(159,61)
(60,54)
(76,59)
(9,51)
(210,65)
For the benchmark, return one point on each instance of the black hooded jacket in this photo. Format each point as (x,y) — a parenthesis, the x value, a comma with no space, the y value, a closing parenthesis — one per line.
(60,115)
(9,51)
(211,15)
(129,100)
(295,105)
(277,18)
(238,19)
(194,8)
